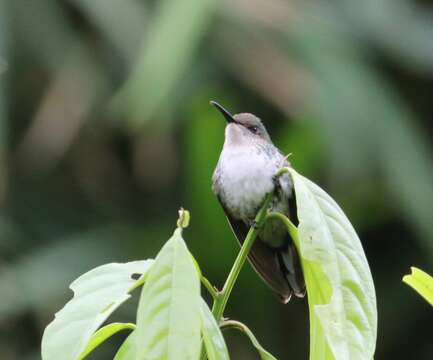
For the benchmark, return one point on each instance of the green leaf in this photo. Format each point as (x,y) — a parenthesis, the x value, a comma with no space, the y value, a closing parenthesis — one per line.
(264,355)
(341,295)
(168,316)
(121,23)
(103,334)
(216,347)
(128,349)
(176,30)
(421,282)
(97,294)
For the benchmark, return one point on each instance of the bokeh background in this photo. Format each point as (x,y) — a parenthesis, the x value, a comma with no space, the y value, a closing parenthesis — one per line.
(106,130)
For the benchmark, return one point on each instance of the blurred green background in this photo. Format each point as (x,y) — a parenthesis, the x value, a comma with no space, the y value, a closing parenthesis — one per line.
(106,130)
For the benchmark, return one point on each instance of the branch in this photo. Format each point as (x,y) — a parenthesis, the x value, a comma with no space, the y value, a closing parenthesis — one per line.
(233,324)
(221,301)
(221,298)
(209,287)
(291,228)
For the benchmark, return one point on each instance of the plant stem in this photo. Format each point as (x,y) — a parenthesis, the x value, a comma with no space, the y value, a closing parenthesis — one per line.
(210,288)
(283,170)
(291,228)
(223,296)
(233,324)
(220,301)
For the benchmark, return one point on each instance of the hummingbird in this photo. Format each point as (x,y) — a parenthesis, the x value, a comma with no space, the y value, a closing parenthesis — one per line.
(244,175)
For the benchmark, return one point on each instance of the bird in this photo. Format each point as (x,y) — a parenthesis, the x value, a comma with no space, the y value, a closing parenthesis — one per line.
(244,175)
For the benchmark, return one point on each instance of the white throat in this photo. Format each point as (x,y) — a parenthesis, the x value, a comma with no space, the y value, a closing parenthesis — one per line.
(245,178)
(235,135)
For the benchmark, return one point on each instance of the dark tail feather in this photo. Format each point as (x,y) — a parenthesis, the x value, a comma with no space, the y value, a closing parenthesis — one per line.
(291,265)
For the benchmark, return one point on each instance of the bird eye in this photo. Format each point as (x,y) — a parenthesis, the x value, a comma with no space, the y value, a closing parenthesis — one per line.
(253,129)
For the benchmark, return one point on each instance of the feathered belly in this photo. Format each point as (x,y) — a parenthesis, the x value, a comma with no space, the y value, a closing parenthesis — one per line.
(243,180)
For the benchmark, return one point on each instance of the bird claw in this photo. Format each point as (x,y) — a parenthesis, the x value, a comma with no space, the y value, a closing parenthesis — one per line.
(255,225)
(275,180)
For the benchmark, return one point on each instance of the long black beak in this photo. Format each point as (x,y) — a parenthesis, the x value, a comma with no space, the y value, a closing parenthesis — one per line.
(229,117)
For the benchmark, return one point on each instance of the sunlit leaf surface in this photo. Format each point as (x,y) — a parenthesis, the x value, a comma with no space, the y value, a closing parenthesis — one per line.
(421,282)
(340,288)
(168,316)
(97,294)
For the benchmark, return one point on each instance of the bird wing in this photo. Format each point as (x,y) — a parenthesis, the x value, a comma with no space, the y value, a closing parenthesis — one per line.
(288,256)
(263,259)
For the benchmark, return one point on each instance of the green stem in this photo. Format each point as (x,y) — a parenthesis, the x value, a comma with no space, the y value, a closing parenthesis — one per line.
(223,296)
(291,228)
(283,170)
(233,324)
(210,288)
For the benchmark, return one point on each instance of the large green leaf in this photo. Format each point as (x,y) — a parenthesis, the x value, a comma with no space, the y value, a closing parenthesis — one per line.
(97,294)
(421,282)
(216,348)
(168,316)
(340,288)
(103,334)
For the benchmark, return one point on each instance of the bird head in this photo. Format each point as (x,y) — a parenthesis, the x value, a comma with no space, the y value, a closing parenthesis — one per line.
(244,127)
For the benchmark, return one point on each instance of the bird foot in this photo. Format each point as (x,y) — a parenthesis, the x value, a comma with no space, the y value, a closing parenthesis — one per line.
(255,225)
(276,181)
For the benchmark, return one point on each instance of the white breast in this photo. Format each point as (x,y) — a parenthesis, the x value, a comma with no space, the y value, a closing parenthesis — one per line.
(245,177)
